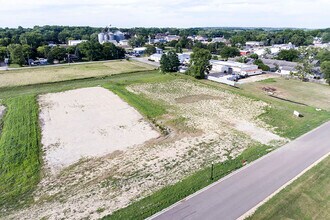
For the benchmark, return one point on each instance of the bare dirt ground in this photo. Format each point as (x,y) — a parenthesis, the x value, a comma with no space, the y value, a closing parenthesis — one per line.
(257,78)
(88,122)
(205,126)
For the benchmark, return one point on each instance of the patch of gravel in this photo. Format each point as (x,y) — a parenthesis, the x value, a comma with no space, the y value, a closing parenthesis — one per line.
(88,122)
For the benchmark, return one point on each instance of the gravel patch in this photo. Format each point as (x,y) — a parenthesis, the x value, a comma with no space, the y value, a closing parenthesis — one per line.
(88,122)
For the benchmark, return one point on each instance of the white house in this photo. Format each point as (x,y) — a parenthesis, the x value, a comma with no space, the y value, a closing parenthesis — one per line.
(75,42)
(234,67)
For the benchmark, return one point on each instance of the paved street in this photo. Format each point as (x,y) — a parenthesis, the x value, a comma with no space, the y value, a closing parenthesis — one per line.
(232,197)
(145,60)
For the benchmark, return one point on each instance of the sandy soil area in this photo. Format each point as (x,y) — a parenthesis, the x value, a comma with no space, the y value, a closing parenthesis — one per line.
(88,122)
(208,125)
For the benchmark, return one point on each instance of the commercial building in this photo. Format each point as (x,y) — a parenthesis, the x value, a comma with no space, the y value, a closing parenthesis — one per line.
(108,36)
(283,67)
(231,67)
(254,43)
(75,42)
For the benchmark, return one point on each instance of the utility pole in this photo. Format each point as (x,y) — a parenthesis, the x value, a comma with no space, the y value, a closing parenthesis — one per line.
(212,168)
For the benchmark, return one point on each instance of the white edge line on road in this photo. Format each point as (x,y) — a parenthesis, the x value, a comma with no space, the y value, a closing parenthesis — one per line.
(252,211)
(233,173)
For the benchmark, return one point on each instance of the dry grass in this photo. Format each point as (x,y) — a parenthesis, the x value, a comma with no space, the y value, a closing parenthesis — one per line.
(312,94)
(30,76)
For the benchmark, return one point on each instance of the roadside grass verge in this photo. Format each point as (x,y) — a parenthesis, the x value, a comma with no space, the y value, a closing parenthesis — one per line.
(308,197)
(171,194)
(19,151)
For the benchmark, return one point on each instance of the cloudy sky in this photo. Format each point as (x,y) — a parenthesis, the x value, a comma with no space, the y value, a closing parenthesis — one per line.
(166,13)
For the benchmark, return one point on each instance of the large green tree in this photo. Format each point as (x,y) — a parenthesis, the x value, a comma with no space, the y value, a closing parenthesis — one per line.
(288,55)
(325,68)
(16,54)
(3,53)
(226,52)
(261,65)
(57,53)
(92,50)
(304,69)
(150,49)
(169,62)
(200,63)
(43,51)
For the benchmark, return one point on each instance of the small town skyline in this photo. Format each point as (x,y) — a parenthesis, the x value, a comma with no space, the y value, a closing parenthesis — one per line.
(180,13)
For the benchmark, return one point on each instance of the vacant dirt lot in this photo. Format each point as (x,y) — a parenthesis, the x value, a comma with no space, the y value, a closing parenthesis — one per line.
(205,125)
(86,123)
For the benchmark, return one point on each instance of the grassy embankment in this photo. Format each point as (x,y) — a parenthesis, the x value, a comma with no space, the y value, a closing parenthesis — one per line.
(19,150)
(306,198)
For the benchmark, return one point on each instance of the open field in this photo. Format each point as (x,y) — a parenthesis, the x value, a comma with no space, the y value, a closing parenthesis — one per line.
(312,94)
(28,76)
(200,122)
(306,198)
(88,122)
(19,150)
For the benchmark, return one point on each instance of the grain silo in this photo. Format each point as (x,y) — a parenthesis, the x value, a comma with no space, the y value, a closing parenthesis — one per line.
(101,37)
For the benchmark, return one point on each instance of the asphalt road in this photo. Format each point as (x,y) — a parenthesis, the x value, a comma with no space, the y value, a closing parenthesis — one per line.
(235,195)
(145,60)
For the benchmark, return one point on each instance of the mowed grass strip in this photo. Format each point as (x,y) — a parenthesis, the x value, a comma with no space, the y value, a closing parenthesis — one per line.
(306,198)
(169,195)
(47,74)
(19,150)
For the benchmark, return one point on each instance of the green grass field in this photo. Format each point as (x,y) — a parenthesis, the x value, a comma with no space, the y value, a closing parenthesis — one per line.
(279,113)
(47,74)
(19,150)
(306,198)
(312,94)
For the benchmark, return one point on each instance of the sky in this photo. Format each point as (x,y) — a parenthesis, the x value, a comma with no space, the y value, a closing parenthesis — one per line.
(166,13)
